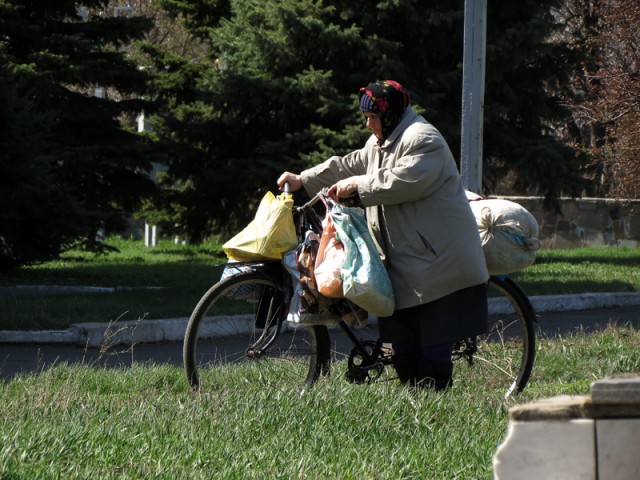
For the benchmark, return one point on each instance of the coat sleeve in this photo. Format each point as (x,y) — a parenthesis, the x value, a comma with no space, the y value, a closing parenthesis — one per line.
(421,165)
(335,168)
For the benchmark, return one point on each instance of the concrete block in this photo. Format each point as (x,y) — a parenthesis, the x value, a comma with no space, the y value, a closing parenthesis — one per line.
(568,240)
(618,389)
(627,243)
(618,441)
(550,450)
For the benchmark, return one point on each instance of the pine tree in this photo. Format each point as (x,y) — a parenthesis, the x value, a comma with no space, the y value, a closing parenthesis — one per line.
(36,216)
(82,153)
(279,91)
(283,96)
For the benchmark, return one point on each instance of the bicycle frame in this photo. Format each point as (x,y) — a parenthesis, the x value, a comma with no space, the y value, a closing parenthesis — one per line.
(368,356)
(274,270)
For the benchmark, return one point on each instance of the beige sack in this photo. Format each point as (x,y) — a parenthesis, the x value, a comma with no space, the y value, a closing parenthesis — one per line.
(509,234)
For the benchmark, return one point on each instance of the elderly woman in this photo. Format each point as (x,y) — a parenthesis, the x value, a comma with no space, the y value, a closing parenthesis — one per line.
(419,216)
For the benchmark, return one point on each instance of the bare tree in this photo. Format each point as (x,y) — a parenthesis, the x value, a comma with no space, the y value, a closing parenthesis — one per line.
(606,104)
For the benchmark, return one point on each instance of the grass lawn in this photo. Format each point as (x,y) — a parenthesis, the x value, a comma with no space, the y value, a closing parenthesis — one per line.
(181,274)
(81,422)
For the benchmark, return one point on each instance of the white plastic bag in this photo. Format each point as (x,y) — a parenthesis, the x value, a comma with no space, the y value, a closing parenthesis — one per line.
(509,234)
(297,314)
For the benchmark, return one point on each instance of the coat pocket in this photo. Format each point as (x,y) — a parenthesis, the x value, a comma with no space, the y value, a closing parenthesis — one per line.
(427,244)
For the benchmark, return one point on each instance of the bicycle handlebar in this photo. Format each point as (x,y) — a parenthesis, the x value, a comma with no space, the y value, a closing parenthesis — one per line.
(321,195)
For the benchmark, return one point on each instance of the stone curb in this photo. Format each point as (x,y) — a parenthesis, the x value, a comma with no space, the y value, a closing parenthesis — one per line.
(584,301)
(97,335)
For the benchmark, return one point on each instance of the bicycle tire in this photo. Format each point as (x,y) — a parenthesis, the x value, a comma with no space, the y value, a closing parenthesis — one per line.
(507,353)
(226,329)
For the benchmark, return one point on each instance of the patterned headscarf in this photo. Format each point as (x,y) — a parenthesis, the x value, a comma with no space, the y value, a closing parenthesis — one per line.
(387,99)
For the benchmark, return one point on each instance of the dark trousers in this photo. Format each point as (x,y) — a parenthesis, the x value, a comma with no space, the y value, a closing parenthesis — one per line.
(422,335)
(423,366)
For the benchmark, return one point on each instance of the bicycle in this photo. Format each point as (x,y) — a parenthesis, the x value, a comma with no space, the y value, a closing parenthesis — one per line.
(241,321)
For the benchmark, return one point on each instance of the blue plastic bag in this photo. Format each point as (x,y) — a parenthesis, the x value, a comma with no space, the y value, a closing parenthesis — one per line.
(365,280)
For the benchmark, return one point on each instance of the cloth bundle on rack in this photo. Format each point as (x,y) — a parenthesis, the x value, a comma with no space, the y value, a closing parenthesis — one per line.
(508,231)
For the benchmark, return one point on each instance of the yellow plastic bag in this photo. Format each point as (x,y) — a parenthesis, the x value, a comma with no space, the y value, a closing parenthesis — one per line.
(269,235)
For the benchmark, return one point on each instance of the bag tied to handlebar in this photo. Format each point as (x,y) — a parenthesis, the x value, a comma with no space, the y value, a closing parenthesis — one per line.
(269,235)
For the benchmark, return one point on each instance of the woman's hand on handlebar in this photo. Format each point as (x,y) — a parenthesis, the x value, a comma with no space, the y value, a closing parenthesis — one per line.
(294,180)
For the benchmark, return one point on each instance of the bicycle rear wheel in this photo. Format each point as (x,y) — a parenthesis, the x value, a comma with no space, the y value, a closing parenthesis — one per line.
(237,332)
(506,354)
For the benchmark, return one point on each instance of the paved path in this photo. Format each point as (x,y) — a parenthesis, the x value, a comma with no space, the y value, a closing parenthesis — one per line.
(17,358)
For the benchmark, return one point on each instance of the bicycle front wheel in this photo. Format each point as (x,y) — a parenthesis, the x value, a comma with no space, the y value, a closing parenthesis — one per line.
(503,357)
(237,333)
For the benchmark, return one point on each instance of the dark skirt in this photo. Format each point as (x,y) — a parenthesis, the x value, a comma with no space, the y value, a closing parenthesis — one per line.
(448,319)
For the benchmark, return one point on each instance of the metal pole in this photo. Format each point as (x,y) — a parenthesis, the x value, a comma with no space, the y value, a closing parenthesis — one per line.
(473,71)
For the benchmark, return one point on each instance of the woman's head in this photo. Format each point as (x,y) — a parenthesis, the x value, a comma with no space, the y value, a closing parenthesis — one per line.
(387,100)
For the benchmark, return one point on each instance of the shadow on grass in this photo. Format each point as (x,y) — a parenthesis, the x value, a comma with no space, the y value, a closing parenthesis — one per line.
(183,284)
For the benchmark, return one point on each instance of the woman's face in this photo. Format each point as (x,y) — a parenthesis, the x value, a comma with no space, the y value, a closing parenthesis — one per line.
(374,124)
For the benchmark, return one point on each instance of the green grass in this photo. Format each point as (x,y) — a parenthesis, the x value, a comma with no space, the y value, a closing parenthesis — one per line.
(582,270)
(182,272)
(185,272)
(74,421)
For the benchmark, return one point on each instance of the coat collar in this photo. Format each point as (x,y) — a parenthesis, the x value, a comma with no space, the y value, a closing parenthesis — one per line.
(407,119)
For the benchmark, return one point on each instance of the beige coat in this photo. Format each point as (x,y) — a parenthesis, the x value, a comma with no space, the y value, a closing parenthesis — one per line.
(417,210)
